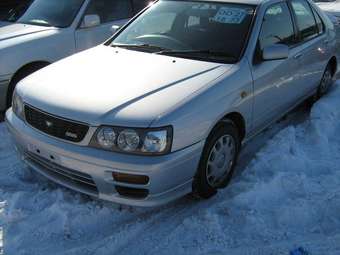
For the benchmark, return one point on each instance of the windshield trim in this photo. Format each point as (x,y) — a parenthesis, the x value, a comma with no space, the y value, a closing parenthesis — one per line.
(250,31)
(237,59)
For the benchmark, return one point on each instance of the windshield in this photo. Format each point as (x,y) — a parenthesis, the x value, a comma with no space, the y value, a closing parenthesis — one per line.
(198,30)
(56,13)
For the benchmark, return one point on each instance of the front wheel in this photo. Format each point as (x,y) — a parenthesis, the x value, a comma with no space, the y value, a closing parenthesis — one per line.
(218,160)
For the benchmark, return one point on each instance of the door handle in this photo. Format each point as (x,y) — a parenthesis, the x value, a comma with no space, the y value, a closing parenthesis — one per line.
(297,56)
(326,42)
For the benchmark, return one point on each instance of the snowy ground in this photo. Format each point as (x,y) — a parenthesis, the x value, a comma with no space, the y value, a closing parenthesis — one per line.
(286,194)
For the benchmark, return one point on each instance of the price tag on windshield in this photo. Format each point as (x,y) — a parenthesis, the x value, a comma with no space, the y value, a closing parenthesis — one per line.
(230,15)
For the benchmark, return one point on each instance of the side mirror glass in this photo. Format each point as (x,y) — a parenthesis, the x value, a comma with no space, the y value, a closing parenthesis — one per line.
(91,20)
(275,52)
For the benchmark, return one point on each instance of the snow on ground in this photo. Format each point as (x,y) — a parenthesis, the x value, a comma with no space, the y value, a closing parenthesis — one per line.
(286,194)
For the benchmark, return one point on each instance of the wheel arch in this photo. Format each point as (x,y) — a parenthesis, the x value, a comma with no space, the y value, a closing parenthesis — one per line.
(237,119)
(35,65)
(333,64)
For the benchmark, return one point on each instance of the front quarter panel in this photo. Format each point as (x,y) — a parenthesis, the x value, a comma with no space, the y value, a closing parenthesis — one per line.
(48,46)
(194,120)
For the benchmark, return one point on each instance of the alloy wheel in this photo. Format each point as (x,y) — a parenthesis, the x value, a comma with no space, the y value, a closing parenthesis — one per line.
(326,81)
(220,160)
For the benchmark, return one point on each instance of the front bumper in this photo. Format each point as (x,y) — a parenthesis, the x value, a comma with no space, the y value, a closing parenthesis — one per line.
(4,82)
(170,176)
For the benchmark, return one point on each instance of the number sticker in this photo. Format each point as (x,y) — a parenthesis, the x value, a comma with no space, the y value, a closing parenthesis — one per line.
(229,15)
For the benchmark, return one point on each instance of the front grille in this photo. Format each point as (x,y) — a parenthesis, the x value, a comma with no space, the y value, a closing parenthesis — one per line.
(55,126)
(65,175)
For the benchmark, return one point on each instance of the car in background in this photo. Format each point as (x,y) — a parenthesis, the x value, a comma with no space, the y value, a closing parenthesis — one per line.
(332,9)
(329,6)
(162,108)
(7,5)
(48,30)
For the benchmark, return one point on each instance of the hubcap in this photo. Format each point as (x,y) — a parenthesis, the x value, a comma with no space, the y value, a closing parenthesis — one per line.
(326,81)
(220,160)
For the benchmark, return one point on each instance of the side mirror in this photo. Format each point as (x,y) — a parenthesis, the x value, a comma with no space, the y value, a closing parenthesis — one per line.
(275,52)
(114,28)
(92,20)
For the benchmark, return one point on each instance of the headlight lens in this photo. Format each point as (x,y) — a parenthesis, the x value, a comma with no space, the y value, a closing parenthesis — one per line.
(128,140)
(155,141)
(18,105)
(106,137)
(133,140)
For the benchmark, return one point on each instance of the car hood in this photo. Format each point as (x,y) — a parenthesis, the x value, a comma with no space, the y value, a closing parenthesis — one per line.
(106,85)
(15,30)
(332,7)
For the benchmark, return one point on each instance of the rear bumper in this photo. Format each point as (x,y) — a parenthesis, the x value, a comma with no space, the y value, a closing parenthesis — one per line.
(4,82)
(170,176)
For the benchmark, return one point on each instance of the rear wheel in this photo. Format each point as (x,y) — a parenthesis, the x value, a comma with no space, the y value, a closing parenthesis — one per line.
(326,82)
(218,160)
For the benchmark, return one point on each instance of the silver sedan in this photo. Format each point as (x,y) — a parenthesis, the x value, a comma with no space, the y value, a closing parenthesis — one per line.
(162,108)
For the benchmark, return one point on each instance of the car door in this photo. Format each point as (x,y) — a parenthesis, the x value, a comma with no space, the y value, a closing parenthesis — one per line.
(110,13)
(275,81)
(313,43)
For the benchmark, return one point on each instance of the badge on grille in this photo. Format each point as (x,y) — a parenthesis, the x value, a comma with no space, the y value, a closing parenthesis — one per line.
(72,135)
(48,123)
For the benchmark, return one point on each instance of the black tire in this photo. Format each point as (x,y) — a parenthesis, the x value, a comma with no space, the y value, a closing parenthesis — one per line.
(326,82)
(201,187)
(2,116)
(18,77)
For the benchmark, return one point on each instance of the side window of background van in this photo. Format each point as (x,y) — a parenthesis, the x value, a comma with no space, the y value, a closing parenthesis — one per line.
(109,10)
(139,5)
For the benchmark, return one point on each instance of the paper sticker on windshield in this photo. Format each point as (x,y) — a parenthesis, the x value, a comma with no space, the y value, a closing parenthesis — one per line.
(204,7)
(229,15)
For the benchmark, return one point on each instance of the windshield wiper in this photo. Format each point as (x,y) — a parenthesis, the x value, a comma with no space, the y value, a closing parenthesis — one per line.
(138,46)
(195,53)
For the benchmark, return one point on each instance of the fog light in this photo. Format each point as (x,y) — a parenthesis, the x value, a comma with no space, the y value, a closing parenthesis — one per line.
(132,192)
(130,178)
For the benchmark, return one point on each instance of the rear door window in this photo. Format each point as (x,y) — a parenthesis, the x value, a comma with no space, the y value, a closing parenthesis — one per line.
(305,19)
(319,23)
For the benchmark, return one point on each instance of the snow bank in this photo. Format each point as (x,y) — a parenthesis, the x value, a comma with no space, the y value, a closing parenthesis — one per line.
(288,196)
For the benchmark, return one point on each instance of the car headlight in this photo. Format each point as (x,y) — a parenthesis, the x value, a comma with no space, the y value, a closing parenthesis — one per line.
(143,141)
(18,106)
(106,137)
(336,20)
(128,140)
